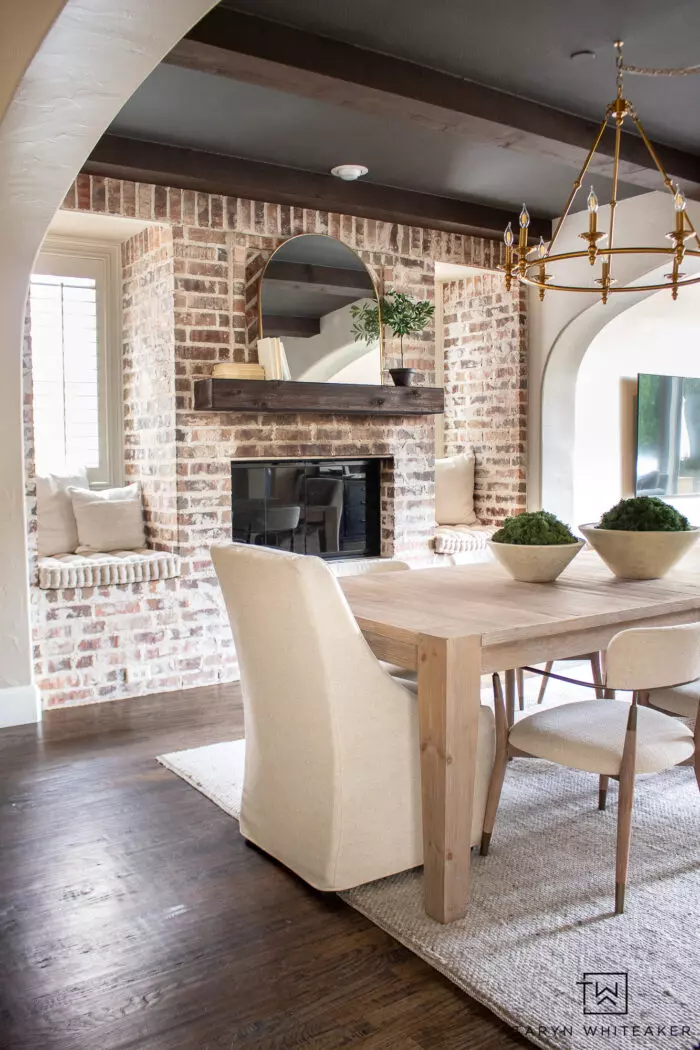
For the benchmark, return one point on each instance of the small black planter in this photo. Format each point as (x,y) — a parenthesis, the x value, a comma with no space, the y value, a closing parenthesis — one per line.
(402,376)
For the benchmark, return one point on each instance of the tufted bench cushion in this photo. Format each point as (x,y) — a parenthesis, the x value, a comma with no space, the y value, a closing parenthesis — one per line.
(462,539)
(99,570)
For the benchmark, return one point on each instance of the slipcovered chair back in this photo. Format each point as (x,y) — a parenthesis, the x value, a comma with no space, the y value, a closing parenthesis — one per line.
(332,778)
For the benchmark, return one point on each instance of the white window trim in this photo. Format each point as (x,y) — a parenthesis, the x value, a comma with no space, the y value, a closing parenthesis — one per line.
(66,257)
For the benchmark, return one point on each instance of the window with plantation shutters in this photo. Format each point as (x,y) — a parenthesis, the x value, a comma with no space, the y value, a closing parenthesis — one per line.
(65,371)
(76,362)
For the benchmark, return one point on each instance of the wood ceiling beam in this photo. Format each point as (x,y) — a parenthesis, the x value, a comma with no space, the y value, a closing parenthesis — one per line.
(300,327)
(123,158)
(257,51)
(338,280)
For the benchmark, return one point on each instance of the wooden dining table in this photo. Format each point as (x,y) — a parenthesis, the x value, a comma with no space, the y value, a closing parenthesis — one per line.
(454,624)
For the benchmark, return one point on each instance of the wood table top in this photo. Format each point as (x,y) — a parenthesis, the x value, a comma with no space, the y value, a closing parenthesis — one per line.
(483,600)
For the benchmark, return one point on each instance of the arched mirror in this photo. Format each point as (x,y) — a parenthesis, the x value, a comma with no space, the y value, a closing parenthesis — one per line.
(310,293)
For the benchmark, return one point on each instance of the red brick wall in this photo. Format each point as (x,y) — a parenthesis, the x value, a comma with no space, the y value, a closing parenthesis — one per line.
(148,368)
(486,388)
(190,286)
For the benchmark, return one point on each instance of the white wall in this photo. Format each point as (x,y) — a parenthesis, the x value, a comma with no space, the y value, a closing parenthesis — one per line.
(333,355)
(657,336)
(94,56)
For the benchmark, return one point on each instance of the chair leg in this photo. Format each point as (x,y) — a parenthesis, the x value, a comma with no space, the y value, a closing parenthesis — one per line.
(624,809)
(510,697)
(597,672)
(603,782)
(520,678)
(548,667)
(499,767)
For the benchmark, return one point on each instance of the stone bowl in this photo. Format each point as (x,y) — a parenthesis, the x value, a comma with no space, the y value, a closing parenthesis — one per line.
(639,555)
(532,563)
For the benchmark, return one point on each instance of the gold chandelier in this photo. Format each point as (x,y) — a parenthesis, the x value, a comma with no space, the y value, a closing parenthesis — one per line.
(529,265)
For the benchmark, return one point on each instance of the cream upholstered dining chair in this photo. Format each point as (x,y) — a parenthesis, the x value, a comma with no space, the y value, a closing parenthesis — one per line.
(680,700)
(612,738)
(332,774)
(373,566)
(596,672)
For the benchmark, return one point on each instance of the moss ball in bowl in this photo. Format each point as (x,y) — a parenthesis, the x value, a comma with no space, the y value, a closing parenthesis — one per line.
(641,538)
(534,547)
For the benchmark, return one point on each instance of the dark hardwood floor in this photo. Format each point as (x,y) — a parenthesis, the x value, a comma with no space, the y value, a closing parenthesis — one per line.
(133,915)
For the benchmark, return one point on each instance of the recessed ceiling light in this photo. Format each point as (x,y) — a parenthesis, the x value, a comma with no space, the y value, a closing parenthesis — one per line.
(582,56)
(349,172)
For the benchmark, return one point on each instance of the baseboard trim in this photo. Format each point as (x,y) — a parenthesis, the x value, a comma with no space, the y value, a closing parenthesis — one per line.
(20,705)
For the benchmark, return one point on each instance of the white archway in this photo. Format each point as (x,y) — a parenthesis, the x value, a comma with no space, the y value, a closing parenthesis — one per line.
(558,398)
(93,57)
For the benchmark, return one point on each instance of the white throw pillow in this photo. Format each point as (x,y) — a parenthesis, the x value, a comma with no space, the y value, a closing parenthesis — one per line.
(57,532)
(454,490)
(108,520)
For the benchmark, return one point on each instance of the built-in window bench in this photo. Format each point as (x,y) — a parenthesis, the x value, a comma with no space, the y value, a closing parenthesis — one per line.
(462,539)
(100,570)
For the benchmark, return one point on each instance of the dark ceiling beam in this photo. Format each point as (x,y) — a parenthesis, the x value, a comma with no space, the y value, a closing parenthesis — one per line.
(337,291)
(258,51)
(336,279)
(300,327)
(123,158)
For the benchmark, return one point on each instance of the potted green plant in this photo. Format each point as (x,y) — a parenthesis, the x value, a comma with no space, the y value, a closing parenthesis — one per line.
(641,538)
(400,313)
(534,547)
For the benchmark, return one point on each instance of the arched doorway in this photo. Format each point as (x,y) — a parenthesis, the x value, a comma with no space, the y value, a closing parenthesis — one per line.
(558,403)
(655,336)
(91,60)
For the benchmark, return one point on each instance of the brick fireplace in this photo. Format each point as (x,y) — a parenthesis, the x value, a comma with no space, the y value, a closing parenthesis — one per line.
(190,285)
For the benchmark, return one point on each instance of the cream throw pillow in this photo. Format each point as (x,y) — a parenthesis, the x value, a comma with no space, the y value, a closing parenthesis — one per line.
(454,490)
(57,532)
(108,520)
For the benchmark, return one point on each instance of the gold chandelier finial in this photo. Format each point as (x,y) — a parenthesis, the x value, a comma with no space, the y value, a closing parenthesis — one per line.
(528,266)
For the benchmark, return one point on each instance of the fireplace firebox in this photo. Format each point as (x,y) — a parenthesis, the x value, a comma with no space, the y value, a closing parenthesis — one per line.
(326,507)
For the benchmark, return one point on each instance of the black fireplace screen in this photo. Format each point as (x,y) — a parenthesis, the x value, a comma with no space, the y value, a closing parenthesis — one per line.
(326,507)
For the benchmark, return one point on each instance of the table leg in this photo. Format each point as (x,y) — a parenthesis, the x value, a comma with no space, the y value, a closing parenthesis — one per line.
(449,681)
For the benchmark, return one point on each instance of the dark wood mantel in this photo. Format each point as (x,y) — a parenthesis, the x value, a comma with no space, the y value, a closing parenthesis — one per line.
(252,395)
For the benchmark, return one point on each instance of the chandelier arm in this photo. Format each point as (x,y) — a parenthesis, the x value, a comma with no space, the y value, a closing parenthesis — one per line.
(579,180)
(616,176)
(662,171)
(653,154)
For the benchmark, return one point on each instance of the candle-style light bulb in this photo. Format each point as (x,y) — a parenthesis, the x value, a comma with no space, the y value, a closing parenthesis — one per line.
(542,248)
(508,235)
(679,201)
(592,202)
(524,218)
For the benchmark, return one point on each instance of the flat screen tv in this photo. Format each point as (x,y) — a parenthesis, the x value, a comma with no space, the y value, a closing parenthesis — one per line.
(668,435)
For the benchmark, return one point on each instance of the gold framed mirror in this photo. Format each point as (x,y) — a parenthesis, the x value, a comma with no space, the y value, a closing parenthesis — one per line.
(309,296)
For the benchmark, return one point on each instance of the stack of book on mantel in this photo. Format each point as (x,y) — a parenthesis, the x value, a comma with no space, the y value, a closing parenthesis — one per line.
(234,370)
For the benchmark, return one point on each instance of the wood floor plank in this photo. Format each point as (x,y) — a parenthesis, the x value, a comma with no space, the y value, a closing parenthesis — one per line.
(133,916)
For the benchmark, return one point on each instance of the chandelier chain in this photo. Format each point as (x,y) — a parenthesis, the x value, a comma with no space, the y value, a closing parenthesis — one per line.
(643,71)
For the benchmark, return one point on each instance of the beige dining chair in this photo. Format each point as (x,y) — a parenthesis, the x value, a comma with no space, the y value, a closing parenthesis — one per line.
(332,762)
(373,566)
(596,673)
(680,700)
(612,738)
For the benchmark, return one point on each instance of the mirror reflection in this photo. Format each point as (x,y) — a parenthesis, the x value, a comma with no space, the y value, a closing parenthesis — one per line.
(307,294)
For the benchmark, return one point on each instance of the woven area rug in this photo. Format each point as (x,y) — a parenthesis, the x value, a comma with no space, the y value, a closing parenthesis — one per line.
(541,947)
